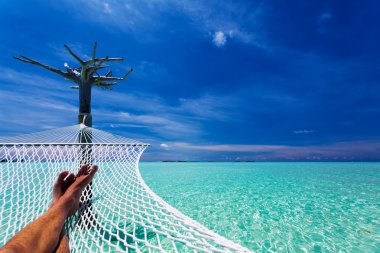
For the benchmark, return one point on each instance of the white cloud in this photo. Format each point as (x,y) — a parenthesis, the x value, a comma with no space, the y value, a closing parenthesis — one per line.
(323,21)
(107,8)
(208,107)
(28,113)
(168,126)
(128,16)
(163,145)
(340,151)
(219,39)
(167,121)
(325,16)
(30,102)
(141,16)
(77,48)
(232,147)
(226,17)
(303,131)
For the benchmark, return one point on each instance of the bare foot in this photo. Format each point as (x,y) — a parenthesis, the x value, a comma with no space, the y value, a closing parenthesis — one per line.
(64,180)
(72,186)
(82,179)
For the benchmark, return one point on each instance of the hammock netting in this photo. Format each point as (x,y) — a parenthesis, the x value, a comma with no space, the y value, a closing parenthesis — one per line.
(119,212)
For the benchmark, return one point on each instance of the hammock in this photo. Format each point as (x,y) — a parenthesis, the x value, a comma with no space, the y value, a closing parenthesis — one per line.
(119,212)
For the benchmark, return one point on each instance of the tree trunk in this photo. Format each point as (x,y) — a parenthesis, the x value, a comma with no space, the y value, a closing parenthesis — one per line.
(85,117)
(85,104)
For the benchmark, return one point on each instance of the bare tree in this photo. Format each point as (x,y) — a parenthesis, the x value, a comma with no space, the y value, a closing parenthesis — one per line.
(85,76)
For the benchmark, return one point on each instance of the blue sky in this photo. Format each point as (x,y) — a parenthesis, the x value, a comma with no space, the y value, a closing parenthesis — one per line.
(213,80)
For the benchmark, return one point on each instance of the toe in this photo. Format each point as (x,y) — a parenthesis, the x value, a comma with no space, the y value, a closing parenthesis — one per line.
(83,170)
(61,178)
(70,178)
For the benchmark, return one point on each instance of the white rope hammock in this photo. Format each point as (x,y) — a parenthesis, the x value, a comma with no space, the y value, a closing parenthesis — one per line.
(120,213)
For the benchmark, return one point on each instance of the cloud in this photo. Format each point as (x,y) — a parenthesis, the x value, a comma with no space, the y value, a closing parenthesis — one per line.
(325,16)
(303,131)
(30,102)
(107,8)
(152,114)
(230,18)
(323,21)
(211,107)
(49,103)
(165,126)
(77,48)
(336,151)
(127,16)
(231,147)
(48,100)
(14,79)
(141,16)
(219,39)
(22,113)
(137,113)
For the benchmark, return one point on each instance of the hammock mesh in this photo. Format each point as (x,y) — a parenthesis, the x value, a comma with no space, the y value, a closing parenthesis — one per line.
(119,212)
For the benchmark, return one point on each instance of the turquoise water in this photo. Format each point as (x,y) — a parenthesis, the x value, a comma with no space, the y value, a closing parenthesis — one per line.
(280,207)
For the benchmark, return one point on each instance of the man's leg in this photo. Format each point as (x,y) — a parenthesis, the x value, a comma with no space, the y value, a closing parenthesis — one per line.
(43,234)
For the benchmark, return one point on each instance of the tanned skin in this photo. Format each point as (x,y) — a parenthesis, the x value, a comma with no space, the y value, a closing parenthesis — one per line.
(46,233)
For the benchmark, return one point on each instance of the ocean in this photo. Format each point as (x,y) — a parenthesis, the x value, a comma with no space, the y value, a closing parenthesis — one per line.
(278,207)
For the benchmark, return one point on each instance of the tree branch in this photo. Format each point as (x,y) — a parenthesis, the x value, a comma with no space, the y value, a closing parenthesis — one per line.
(111,78)
(57,71)
(94,51)
(97,67)
(106,59)
(74,55)
(74,73)
(86,72)
(107,78)
(99,61)
(127,74)
(106,86)
(109,73)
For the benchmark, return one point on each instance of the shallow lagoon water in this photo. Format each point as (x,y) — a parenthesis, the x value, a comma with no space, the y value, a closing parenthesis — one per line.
(280,207)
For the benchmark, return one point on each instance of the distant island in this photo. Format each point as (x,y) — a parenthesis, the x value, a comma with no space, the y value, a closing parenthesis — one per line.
(182,161)
(174,161)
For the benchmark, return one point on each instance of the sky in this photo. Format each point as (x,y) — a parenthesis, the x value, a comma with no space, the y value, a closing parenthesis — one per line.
(213,80)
